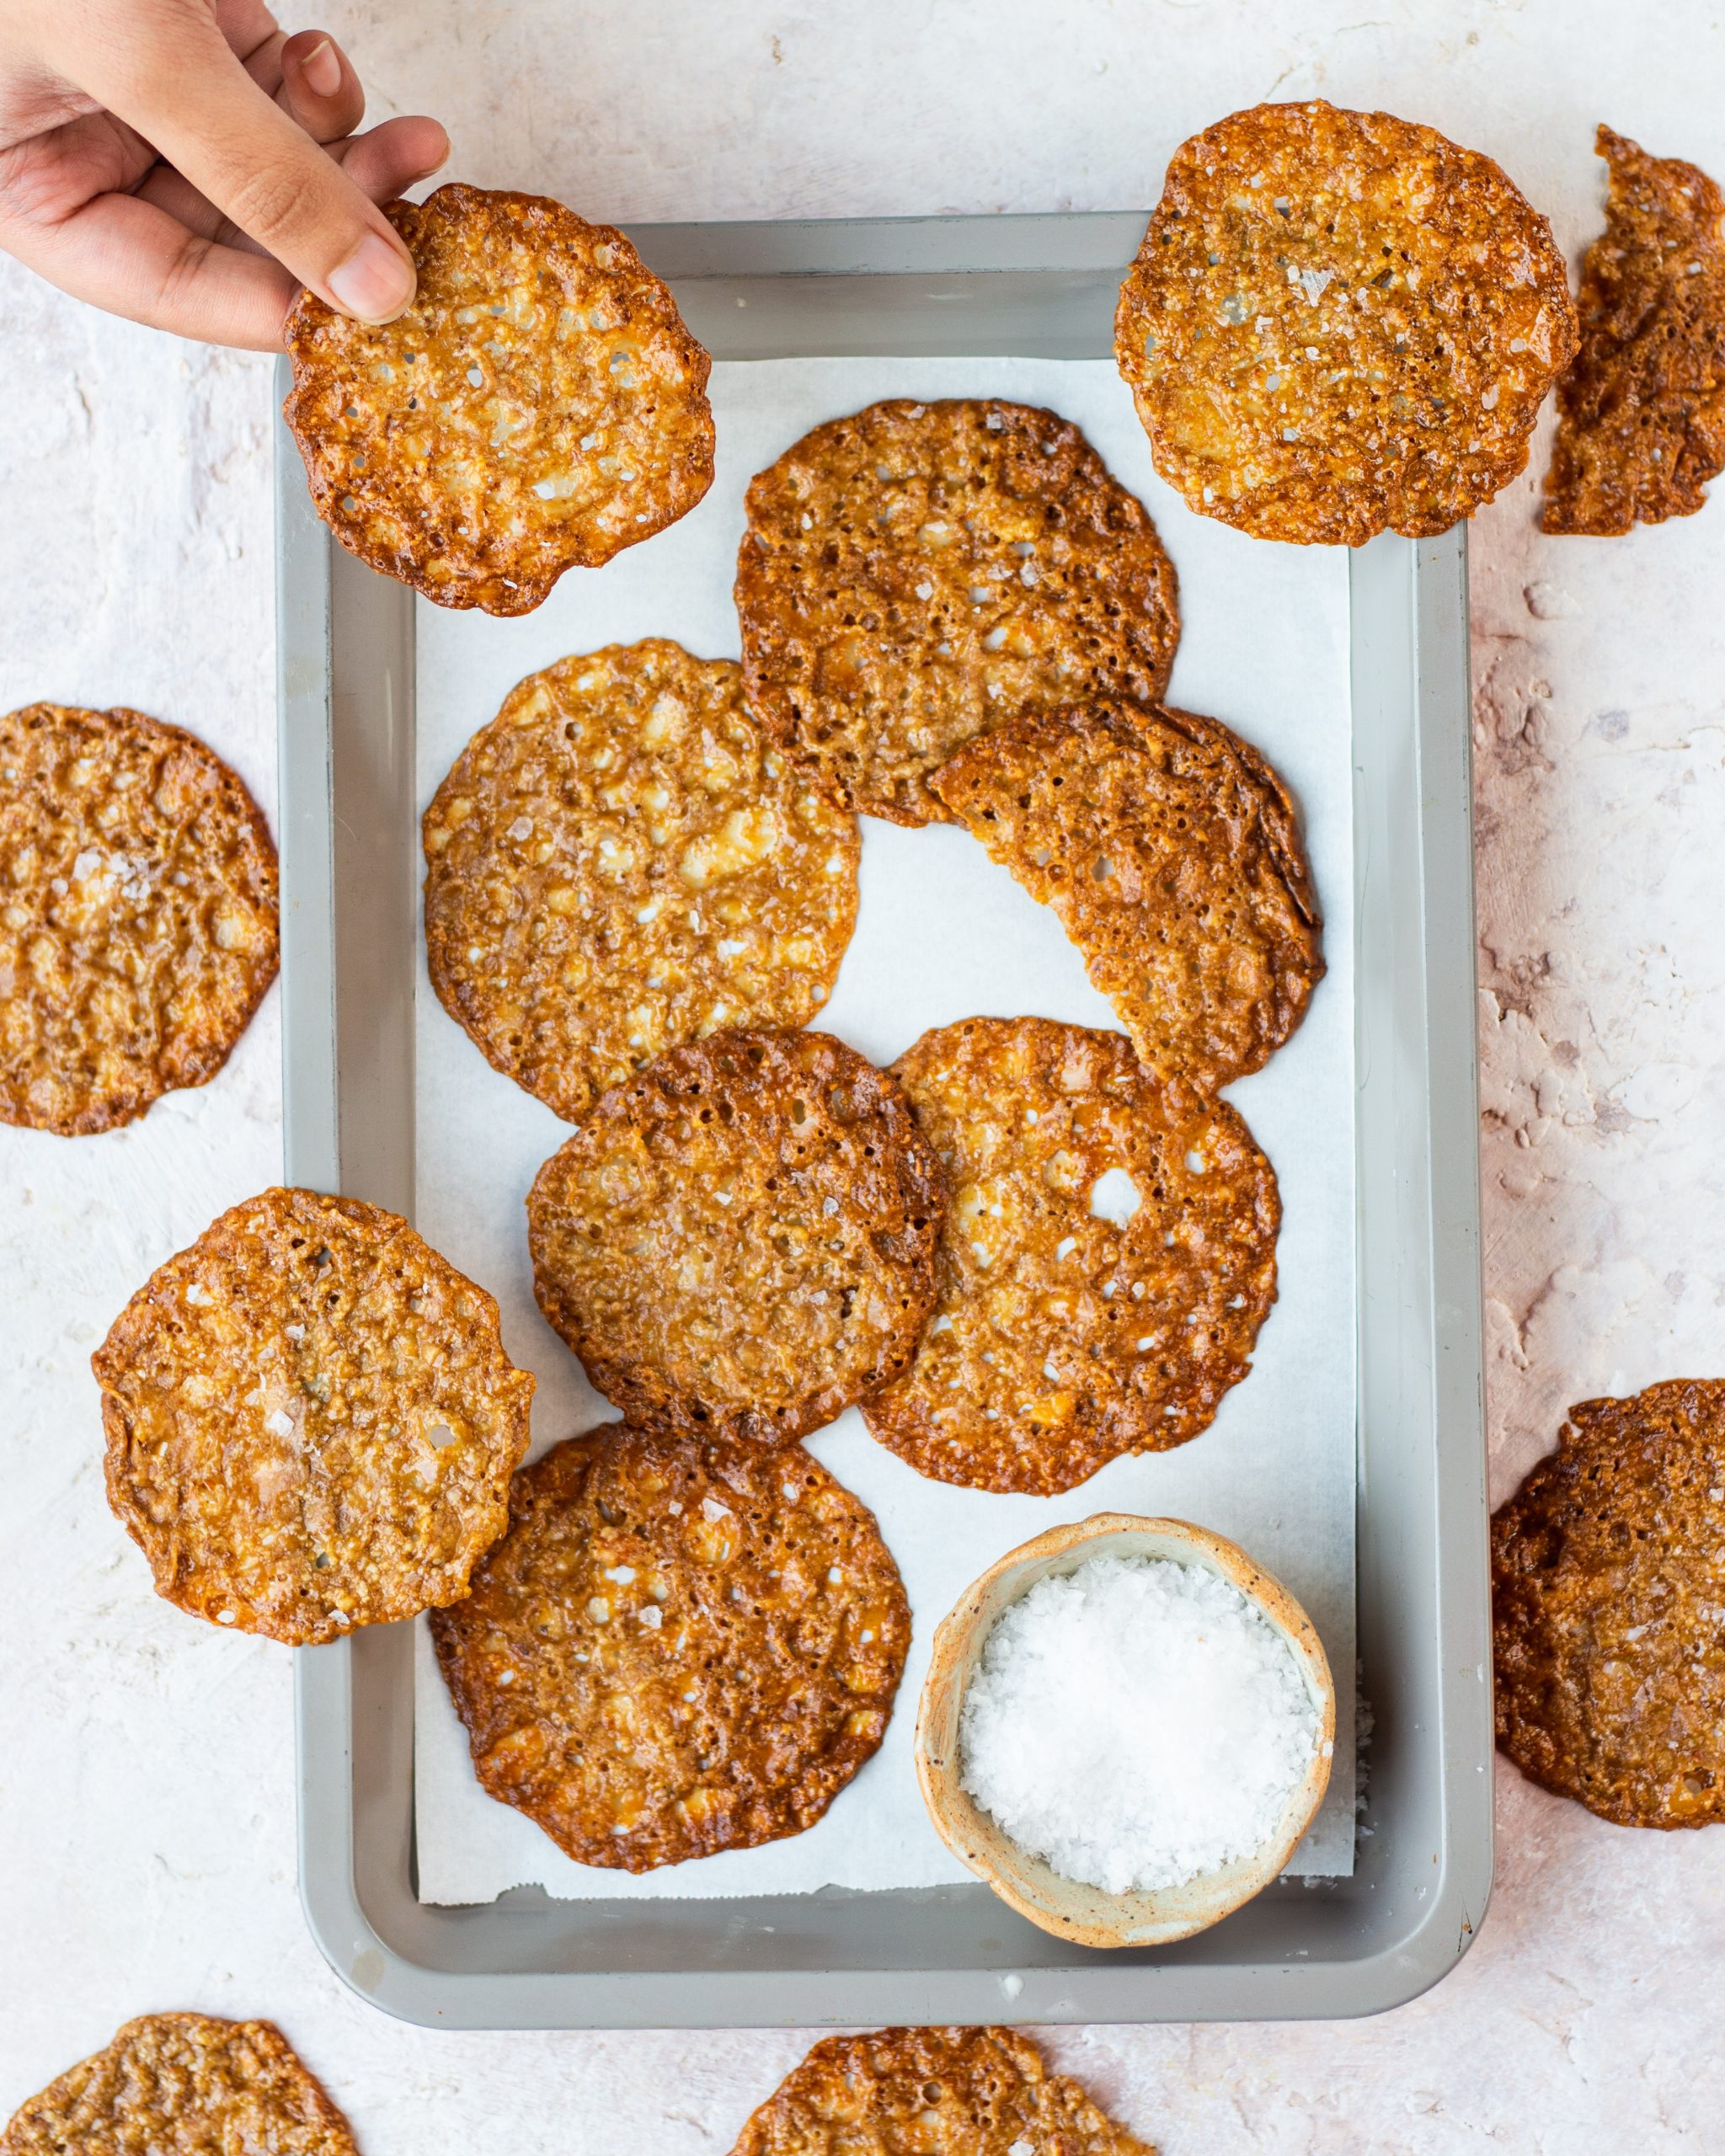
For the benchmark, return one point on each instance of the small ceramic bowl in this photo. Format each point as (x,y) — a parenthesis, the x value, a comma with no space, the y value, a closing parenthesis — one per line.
(1065,1907)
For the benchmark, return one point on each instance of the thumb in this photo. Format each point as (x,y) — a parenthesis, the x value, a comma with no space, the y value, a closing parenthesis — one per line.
(191,99)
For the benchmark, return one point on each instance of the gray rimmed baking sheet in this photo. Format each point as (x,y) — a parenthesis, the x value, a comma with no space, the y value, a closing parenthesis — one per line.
(1039,287)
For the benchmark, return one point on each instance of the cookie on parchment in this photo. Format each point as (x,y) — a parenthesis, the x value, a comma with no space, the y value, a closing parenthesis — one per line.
(1641,414)
(137,915)
(311,1420)
(621,862)
(915,575)
(1608,1578)
(740,1241)
(183,2084)
(940,2092)
(539,406)
(1340,321)
(1171,853)
(678,1647)
(1108,1256)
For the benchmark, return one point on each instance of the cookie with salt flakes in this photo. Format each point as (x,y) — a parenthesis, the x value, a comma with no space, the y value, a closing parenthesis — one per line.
(1108,1256)
(679,1647)
(942,2092)
(311,1420)
(1641,414)
(539,406)
(1340,323)
(183,2084)
(138,915)
(1170,851)
(915,575)
(739,1241)
(1608,1575)
(623,861)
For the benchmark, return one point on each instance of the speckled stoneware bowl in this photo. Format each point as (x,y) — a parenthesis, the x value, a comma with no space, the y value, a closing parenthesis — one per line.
(1069,1909)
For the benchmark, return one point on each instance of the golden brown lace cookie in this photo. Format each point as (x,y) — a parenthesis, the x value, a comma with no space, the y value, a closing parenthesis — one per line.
(311,1420)
(1171,853)
(1608,1579)
(538,408)
(935,2092)
(137,915)
(740,1241)
(1340,321)
(679,1647)
(183,2084)
(916,574)
(1641,414)
(622,861)
(1109,1254)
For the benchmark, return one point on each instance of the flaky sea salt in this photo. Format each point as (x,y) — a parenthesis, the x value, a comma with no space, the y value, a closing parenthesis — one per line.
(1136,1722)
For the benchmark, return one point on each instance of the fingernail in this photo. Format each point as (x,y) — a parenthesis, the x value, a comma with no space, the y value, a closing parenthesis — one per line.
(322,69)
(375,283)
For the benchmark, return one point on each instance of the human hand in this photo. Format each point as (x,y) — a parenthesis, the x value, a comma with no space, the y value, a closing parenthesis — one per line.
(186,163)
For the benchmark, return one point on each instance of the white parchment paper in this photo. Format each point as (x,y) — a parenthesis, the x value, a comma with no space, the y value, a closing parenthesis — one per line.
(943,934)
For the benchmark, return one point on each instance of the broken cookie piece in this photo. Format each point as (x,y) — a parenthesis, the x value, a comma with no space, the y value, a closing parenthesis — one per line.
(1641,414)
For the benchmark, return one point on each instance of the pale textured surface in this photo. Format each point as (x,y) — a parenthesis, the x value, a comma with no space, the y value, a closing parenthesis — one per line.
(145,1761)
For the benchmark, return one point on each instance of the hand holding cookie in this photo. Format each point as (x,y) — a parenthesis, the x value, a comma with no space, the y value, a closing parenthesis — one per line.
(191,167)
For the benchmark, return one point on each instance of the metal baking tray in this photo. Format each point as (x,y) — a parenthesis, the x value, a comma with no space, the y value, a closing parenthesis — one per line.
(1027,286)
